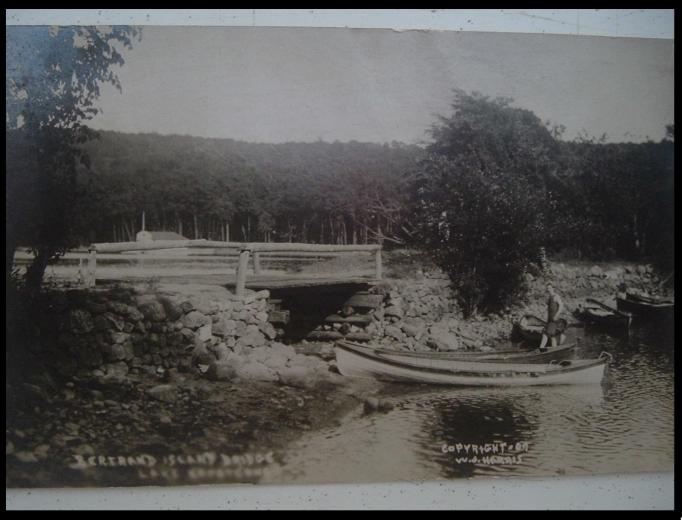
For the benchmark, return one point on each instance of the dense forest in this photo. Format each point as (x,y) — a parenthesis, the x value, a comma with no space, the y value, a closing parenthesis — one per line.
(222,189)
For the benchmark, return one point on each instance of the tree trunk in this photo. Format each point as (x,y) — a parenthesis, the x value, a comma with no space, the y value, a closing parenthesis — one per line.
(196,226)
(36,271)
(355,234)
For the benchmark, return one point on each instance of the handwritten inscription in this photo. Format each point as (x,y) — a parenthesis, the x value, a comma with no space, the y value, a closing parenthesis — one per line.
(198,466)
(501,453)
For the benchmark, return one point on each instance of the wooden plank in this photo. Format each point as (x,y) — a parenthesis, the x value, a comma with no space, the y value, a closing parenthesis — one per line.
(365,301)
(324,335)
(361,319)
(358,336)
(119,247)
(326,248)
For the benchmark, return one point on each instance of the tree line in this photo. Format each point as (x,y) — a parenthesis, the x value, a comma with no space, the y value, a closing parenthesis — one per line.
(221,189)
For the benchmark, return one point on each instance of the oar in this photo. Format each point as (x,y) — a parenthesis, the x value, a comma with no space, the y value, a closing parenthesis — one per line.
(608,307)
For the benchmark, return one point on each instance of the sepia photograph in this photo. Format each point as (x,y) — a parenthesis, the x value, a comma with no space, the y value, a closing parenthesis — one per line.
(275,255)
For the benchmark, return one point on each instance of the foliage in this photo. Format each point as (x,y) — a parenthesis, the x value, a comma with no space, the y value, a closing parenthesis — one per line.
(52,82)
(482,196)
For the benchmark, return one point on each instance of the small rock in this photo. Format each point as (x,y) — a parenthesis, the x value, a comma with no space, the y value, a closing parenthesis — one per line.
(371,404)
(195,319)
(151,308)
(26,456)
(41,451)
(164,393)
(204,332)
(85,450)
(80,321)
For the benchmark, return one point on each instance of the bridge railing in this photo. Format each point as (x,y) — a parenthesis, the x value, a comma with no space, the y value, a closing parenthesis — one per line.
(245,251)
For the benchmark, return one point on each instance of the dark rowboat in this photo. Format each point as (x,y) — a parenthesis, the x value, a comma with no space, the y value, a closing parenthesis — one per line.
(598,314)
(647,307)
(363,362)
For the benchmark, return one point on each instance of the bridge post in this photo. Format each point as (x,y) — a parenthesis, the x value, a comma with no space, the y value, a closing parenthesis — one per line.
(91,274)
(256,263)
(377,262)
(240,287)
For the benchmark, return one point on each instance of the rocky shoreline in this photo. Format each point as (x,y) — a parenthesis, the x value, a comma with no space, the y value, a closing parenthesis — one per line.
(182,374)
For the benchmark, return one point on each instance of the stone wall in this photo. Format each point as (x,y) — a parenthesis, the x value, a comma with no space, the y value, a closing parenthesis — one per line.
(114,332)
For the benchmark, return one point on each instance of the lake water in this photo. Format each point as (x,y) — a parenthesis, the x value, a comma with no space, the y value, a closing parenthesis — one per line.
(623,425)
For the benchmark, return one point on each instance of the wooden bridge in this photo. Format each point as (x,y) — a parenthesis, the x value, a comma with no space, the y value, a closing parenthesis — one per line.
(249,256)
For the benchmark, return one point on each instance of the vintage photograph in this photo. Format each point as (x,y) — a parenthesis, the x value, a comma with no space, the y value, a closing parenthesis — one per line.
(323,255)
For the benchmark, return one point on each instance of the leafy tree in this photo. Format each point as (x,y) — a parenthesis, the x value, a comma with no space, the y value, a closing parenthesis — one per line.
(481,197)
(53,80)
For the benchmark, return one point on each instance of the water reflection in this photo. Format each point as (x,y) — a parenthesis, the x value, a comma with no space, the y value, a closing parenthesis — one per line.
(623,425)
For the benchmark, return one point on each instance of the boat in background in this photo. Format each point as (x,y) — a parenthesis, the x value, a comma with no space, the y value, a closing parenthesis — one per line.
(363,362)
(596,313)
(646,306)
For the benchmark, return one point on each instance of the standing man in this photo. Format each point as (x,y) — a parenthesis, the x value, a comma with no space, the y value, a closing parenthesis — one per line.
(555,326)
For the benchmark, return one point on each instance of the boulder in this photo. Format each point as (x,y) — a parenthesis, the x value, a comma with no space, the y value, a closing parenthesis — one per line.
(394,311)
(298,377)
(115,370)
(262,295)
(152,310)
(222,351)
(195,319)
(224,327)
(221,371)
(252,337)
(201,355)
(172,308)
(113,352)
(442,339)
(204,305)
(268,330)
(596,271)
(393,331)
(117,307)
(413,331)
(254,371)
(80,321)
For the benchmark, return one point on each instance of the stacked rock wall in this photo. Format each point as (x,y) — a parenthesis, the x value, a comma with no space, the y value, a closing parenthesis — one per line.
(114,332)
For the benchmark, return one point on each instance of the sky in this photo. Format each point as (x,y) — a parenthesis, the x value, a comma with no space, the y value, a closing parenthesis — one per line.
(379,85)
